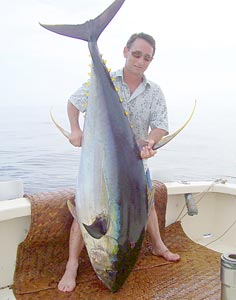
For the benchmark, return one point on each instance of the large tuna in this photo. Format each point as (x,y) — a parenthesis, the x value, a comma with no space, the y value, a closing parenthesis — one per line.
(112,192)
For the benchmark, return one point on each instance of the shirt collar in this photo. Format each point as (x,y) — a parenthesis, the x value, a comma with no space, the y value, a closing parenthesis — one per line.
(119,73)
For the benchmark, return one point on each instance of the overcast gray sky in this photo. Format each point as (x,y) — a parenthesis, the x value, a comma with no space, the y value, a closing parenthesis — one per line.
(195,58)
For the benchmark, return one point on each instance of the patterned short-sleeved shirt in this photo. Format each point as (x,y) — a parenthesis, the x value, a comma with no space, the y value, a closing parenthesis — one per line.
(146,106)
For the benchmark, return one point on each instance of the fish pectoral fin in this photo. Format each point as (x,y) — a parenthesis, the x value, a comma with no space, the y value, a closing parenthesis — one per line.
(72,210)
(98,228)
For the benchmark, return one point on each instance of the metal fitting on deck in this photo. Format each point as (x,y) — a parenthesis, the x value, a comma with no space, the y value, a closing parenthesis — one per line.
(191,204)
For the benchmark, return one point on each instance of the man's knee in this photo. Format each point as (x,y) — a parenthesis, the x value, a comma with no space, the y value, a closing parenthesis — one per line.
(153,209)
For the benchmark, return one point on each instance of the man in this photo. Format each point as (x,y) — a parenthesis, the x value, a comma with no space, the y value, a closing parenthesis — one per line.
(145,105)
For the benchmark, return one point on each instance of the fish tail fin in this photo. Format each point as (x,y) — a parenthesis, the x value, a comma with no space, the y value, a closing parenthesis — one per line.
(90,30)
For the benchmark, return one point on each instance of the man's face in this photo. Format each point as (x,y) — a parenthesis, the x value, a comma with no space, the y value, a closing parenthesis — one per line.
(138,57)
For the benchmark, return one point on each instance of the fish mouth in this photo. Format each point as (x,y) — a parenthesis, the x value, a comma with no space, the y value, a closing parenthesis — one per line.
(113,268)
(104,264)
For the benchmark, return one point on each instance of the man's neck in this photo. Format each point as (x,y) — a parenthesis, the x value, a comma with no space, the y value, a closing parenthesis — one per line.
(132,80)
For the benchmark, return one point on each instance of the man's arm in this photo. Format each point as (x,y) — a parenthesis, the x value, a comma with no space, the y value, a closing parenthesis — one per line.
(75,137)
(155,135)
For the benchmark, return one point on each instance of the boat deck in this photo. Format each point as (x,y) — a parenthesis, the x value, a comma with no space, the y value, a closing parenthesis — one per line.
(196,276)
(153,278)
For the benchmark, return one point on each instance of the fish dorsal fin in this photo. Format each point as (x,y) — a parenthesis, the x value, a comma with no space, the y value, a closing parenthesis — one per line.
(99,227)
(168,138)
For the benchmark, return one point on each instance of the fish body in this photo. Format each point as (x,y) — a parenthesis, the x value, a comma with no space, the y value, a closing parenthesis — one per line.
(112,192)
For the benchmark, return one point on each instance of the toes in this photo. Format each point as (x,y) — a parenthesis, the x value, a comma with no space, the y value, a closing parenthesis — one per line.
(169,256)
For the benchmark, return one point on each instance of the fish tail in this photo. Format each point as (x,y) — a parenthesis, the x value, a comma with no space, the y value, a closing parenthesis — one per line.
(90,30)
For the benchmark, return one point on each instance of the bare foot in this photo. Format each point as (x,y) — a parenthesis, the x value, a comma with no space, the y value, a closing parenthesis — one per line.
(68,280)
(167,255)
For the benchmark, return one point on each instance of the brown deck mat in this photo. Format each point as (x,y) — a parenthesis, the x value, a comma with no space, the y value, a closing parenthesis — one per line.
(41,260)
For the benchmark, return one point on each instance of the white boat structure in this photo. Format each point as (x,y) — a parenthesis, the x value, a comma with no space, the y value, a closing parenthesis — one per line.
(207,211)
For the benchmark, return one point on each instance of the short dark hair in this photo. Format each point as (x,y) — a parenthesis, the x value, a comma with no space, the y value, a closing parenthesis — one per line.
(148,38)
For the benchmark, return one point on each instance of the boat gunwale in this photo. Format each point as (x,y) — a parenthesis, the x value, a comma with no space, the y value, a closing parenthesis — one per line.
(20,207)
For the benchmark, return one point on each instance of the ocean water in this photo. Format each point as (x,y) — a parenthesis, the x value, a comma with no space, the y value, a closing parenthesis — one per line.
(33,150)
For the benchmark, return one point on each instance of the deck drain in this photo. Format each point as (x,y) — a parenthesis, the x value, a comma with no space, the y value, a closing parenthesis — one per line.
(207,235)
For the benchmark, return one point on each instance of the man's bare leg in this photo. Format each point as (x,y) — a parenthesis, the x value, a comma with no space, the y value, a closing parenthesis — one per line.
(158,247)
(76,244)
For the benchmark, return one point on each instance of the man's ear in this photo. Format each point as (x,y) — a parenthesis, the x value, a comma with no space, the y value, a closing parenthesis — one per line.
(125,52)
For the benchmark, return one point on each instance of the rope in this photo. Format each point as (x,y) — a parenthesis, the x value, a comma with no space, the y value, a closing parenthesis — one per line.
(203,194)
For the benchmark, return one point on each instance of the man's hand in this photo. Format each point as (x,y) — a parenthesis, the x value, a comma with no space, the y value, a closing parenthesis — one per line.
(75,137)
(147,151)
